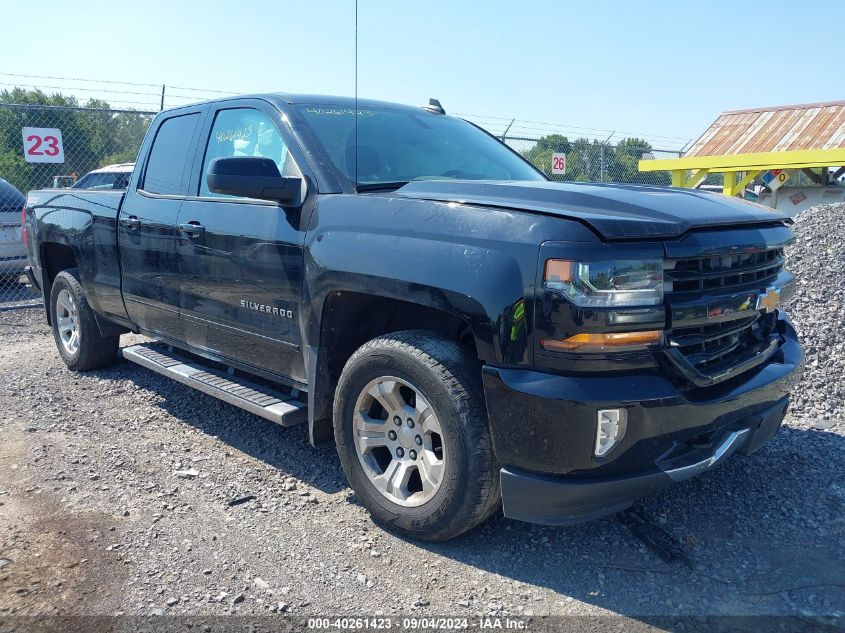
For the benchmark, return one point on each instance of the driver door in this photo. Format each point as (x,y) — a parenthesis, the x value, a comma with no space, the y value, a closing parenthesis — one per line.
(241,260)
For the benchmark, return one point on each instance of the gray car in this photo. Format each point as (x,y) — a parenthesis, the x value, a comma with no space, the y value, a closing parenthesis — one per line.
(12,250)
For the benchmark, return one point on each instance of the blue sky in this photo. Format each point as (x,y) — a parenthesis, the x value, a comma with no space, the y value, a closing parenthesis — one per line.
(658,69)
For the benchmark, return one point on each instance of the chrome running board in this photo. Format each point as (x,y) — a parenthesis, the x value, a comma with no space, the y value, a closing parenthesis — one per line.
(270,404)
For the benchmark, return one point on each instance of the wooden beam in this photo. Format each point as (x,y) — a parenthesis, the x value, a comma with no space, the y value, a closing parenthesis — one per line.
(693,181)
(812,175)
(729,186)
(749,176)
(795,159)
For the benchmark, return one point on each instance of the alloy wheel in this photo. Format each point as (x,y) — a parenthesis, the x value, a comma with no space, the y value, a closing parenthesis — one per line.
(399,441)
(67,321)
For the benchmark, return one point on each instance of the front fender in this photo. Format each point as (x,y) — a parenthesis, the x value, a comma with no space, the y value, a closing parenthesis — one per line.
(476,263)
(488,288)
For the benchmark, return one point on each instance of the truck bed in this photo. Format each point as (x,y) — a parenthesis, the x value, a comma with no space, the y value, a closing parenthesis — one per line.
(101,203)
(85,222)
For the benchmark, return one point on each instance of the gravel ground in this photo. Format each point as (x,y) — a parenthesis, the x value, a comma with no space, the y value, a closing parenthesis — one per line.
(116,490)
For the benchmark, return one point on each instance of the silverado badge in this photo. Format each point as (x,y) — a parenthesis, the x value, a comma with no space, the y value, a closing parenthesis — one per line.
(261,307)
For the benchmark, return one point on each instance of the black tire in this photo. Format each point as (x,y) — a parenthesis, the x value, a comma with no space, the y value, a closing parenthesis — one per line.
(94,350)
(450,380)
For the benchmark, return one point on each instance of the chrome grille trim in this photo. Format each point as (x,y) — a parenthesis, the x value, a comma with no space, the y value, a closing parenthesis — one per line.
(711,349)
(714,349)
(703,334)
(724,272)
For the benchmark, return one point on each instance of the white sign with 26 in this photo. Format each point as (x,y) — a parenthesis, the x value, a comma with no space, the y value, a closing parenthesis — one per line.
(43,145)
(558,163)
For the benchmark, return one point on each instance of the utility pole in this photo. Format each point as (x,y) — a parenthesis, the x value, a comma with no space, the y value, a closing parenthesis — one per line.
(162,97)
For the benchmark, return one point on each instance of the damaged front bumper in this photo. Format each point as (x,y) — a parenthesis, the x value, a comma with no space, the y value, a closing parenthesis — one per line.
(543,428)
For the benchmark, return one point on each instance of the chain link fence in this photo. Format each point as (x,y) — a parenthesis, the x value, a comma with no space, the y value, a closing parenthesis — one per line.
(56,146)
(586,160)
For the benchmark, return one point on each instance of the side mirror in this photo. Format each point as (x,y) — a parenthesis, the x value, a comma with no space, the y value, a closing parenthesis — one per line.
(253,177)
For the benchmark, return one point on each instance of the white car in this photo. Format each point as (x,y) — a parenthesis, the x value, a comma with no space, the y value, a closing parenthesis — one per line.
(12,250)
(108,177)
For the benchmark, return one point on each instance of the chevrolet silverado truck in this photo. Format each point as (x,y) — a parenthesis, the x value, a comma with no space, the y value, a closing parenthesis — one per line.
(469,334)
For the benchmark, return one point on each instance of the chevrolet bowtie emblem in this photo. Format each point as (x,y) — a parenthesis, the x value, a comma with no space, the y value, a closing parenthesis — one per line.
(768,301)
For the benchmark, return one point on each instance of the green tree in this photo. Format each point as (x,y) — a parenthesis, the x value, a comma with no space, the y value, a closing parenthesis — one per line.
(92,137)
(629,152)
(540,155)
(584,162)
(592,161)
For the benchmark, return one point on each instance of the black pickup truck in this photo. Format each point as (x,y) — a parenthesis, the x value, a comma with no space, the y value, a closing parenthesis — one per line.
(468,333)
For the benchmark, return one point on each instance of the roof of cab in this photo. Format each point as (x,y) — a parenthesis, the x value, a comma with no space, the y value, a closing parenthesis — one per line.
(285,99)
(338,101)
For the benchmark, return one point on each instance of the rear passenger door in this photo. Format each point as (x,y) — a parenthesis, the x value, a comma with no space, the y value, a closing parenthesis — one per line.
(241,260)
(147,226)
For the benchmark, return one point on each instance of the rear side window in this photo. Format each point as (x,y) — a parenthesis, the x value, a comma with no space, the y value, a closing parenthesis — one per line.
(169,155)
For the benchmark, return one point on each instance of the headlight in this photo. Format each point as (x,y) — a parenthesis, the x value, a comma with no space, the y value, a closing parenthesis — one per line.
(607,284)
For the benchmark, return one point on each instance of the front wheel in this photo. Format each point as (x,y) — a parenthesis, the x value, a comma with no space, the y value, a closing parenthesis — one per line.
(412,435)
(78,338)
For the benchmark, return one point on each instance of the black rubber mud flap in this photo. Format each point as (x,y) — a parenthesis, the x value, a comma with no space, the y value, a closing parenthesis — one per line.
(320,395)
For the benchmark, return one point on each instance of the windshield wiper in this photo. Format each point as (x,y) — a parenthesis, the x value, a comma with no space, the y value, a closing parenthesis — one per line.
(379,186)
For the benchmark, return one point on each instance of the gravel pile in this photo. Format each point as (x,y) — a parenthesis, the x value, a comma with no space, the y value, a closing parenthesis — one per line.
(817,258)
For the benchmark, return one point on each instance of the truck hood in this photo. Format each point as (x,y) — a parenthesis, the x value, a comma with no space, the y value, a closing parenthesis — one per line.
(614,211)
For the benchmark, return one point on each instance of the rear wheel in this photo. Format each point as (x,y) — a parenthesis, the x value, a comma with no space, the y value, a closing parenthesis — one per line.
(412,435)
(75,330)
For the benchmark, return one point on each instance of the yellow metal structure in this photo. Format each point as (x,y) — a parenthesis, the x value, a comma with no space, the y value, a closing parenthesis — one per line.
(690,171)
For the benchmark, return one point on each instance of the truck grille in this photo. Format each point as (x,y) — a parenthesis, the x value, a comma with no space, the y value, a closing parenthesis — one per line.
(715,347)
(723,272)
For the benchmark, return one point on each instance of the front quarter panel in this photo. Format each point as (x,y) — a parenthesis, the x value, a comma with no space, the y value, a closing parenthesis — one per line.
(474,262)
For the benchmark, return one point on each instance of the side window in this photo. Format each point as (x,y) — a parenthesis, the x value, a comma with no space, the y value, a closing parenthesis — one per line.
(245,132)
(169,155)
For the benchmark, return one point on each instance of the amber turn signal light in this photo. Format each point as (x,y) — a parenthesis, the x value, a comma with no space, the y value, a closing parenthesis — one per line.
(559,270)
(611,341)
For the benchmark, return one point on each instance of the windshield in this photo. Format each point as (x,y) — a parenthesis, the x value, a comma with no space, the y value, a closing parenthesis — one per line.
(396,146)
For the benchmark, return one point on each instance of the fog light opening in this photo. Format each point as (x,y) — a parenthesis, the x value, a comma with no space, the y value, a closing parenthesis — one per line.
(611,425)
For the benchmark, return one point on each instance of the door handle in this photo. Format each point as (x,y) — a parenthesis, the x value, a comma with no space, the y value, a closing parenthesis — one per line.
(192,228)
(132,222)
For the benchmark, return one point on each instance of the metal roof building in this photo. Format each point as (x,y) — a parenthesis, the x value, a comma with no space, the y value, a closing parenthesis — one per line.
(780,129)
(768,142)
